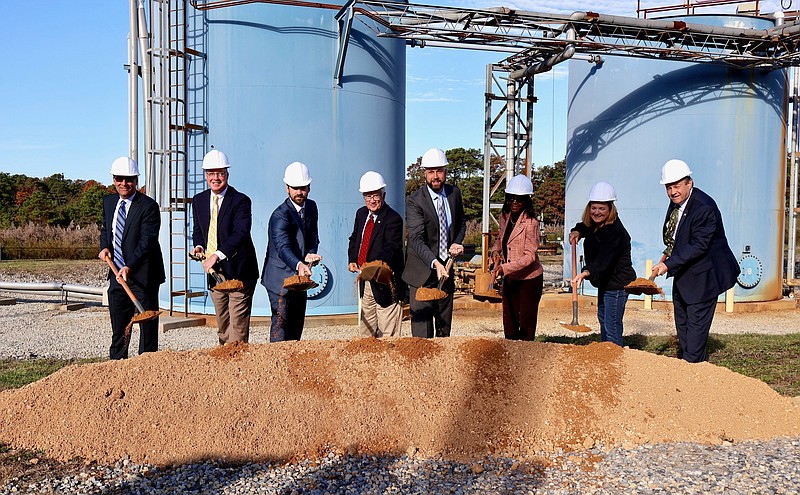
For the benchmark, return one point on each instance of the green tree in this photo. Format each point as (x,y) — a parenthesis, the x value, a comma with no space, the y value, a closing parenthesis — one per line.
(549,183)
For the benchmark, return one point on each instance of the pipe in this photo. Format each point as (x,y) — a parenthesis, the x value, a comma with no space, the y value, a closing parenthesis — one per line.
(55,289)
(147,97)
(546,65)
(794,128)
(133,84)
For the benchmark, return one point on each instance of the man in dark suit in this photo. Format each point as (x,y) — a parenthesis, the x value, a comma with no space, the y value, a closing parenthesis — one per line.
(436,226)
(293,239)
(697,256)
(129,236)
(222,220)
(377,235)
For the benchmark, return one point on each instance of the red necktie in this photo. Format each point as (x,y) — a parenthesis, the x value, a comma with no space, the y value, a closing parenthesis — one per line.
(362,253)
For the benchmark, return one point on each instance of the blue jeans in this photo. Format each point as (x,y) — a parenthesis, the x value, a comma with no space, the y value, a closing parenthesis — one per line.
(610,309)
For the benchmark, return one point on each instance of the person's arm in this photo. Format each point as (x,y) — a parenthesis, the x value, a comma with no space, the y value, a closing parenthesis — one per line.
(148,235)
(392,245)
(702,226)
(417,237)
(530,245)
(608,250)
(279,238)
(242,218)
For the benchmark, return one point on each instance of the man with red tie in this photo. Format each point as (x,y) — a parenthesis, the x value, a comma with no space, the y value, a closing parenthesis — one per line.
(377,235)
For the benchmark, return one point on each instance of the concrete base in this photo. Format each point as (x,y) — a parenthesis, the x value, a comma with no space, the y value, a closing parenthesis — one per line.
(7,301)
(68,306)
(166,323)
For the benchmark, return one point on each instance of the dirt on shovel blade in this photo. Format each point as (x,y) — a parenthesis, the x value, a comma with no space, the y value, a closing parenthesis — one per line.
(576,328)
(231,285)
(430,294)
(299,282)
(643,286)
(139,318)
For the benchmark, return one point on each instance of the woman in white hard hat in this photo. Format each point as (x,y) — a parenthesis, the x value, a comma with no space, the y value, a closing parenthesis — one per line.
(607,247)
(515,257)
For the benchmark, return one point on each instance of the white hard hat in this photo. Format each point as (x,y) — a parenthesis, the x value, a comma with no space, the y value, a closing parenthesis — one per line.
(297,175)
(434,158)
(215,159)
(602,191)
(519,185)
(124,166)
(673,171)
(371,181)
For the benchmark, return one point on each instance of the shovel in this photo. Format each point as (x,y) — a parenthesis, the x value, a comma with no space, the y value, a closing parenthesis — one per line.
(141,315)
(645,286)
(575,326)
(222,284)
(431,294)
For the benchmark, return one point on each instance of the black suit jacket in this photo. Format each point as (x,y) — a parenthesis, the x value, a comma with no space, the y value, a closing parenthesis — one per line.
(140,246)
(701,262)
(234,221)
(422,223)
(385,244)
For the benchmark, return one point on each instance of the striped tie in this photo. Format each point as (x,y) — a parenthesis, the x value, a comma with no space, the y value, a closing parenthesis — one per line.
(442,228)
(118,230)
(212,228)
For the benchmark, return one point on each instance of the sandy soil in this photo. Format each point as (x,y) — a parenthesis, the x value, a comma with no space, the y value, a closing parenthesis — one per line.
(461,398)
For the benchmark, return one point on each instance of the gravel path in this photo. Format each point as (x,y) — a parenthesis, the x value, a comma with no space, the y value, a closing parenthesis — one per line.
(764,467)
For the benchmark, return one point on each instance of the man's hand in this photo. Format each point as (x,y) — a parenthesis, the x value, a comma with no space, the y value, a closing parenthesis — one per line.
(353,267)
(209,262)
(123,273)
(198,252)
(304,269)
(313,258)
(659,269)
(104,253)
(456,249)
(441,273)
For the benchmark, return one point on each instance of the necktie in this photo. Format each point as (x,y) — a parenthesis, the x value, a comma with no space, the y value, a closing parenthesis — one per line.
(669,232)
(362,252)
(118,230)
(212,227)
(442,228)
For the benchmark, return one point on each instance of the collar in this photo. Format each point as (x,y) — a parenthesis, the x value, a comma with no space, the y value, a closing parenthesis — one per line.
(434,194)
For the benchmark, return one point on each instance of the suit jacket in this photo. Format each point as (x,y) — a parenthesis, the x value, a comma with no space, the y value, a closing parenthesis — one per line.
(234,221)
(522,262)
(289,241)
(385,244)
(140,247)
(701,262)
(422,223)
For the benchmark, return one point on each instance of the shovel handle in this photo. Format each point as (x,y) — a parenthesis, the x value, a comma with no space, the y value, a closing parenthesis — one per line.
(447,266)
(216,276)
(574,243)
(663,259)
(124,285)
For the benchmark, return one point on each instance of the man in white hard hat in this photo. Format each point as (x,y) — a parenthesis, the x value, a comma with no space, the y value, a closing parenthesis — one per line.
(129,236)
(697,255)
(436,227)
(222,219)
(377,236)
(293,239)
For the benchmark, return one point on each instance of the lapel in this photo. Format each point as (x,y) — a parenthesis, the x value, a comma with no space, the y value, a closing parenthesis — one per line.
(683,217)
(519,227)
(134,210)
(230,194)
(378,225)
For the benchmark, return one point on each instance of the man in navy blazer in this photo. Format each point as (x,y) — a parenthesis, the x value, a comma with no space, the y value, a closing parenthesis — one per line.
(436,227)
(377,235)
(292,242)
(129,236)
(697,256)
(228,248)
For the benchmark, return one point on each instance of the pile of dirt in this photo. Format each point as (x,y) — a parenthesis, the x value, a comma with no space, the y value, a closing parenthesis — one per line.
(462,398)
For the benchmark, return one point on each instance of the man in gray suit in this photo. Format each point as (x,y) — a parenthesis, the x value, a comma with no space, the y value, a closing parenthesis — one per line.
(436,227)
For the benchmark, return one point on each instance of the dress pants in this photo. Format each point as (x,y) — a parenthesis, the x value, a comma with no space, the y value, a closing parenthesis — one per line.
(121,309)
(233,314)
(521,307)
(430,316)
(693,322)
(288,314)
(377,321)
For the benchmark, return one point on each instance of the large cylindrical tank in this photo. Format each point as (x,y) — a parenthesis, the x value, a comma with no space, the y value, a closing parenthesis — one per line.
(628,116)
(271,99)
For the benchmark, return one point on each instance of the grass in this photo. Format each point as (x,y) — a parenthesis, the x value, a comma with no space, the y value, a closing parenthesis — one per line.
(15,373)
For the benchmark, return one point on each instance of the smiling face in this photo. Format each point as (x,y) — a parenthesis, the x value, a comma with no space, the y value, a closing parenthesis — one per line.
(126,185)
(374,200)
(217,179)
(434,177)
(298,194)
(679,191)
(515,203)
(599,212)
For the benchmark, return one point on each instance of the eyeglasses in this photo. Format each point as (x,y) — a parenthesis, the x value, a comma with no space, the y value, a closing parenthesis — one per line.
(373,196)
(124,178)
(515,199)
(215,174)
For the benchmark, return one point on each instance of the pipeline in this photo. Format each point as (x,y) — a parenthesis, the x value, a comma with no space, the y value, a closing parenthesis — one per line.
(61,289)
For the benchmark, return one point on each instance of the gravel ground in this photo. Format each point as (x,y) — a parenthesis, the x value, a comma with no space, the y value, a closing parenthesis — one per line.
(733,468)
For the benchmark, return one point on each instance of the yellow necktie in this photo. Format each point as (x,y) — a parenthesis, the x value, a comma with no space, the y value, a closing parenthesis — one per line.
(212,228)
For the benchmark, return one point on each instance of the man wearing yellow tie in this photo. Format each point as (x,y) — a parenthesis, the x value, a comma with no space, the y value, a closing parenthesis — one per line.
(222,221)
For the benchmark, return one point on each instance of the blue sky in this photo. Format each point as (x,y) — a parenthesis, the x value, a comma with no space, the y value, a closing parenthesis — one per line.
(63,89)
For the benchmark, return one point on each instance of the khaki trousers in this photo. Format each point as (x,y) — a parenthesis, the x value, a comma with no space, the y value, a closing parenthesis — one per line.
(233,314)
(377,321)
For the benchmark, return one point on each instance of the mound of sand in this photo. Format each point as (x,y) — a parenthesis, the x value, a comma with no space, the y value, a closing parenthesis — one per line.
(462,398)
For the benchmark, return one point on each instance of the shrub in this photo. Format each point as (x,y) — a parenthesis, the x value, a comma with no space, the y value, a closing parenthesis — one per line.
(32,241)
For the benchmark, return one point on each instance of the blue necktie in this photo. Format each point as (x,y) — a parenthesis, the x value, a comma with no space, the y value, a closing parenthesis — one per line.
(118,230)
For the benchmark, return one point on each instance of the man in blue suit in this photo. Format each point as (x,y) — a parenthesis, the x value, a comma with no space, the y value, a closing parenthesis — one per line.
(697,256)
(129,236)
(221,230)
(293,239)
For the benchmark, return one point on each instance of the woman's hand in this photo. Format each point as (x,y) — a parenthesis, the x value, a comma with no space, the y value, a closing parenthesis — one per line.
(574,236)
(579,277)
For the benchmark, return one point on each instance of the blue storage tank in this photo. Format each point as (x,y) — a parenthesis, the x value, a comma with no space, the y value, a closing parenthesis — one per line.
(272,100)
(627,117)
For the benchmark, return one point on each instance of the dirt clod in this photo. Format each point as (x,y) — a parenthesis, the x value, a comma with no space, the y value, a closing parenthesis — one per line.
(430,294)
(231,285)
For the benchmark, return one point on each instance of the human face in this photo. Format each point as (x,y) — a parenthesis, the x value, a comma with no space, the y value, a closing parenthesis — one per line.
(374,200)
(126,185)
(599,212)
(679,191)
(515,203)
(298,194)
(217,179)
(434,177)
